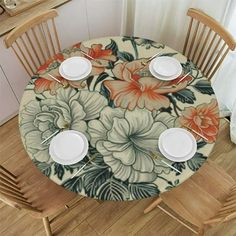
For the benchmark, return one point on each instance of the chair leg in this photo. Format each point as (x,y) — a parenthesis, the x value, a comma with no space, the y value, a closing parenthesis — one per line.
(153,205)
(201,231)
(47,226)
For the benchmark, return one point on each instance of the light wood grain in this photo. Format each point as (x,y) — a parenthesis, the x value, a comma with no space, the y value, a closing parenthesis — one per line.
(160,224)
(134,219)
(108,213)
(207,42)
(89,215)
(75,217)
(83,229)
(10,22)
(21,5)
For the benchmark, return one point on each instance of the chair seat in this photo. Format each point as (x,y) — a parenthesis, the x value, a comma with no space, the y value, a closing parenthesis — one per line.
(197,200)
(218,182)
(44,194)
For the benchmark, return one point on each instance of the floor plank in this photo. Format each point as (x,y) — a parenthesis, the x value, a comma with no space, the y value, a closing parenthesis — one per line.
(75,217)
(9,215)
(158,225)
(83,229)
(10,142)
(132,221)
(25,226)
(108,213)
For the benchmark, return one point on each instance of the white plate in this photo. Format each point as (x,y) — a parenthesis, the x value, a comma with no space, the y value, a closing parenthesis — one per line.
(75,68)
(166,66)
(68,147)
(177,144)
(170,68)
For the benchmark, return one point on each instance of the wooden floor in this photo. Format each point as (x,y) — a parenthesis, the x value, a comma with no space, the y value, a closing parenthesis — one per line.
(94,218)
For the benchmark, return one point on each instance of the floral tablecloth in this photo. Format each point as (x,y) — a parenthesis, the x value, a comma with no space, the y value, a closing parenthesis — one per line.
(122,109)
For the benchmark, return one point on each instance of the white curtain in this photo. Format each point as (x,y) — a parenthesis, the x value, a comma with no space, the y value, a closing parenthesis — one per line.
(224,82)
(165,21)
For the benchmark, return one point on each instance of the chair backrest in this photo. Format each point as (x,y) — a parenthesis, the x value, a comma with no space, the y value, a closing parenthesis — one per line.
(227,211)
(207,42)
(11,193)
(35,41)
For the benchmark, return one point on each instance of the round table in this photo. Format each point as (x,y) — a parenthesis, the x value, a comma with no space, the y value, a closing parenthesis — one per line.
(122,109)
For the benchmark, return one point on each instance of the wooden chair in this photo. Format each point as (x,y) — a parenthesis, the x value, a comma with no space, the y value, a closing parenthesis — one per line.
(35,41)
(30,190)
(206,199)
(207,42)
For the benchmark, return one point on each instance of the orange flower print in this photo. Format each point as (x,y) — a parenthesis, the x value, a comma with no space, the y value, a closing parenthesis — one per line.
(133,90)
(57,58)
(44,84)
(204,119)
(103,56)
(48,84)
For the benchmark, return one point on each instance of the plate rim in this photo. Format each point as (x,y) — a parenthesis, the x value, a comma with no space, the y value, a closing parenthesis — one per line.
(75,78)
(180,159)
(74,160)
(164,78)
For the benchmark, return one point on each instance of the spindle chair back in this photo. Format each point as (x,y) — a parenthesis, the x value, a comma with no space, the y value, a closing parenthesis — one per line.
(207,42)
(35,41)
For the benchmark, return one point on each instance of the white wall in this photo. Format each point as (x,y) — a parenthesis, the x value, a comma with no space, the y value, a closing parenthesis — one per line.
(8,101)
(85,19)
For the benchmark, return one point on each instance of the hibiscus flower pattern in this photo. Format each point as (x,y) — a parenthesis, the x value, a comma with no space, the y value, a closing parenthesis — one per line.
(102,57)
(45,83)
(127,149)
(134,90)
(122,110)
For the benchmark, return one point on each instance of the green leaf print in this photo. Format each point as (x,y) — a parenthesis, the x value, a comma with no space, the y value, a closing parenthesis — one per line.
(196,162)
(179,166)
(93,179)
(114,190)
(185,96)
(100,78)
(201,144)
(143,190)
(89,80)
(125,56)
(112,46)
(204,86)
(74,184)
(59,170)
(111,65)
(168,54)
(105,92)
